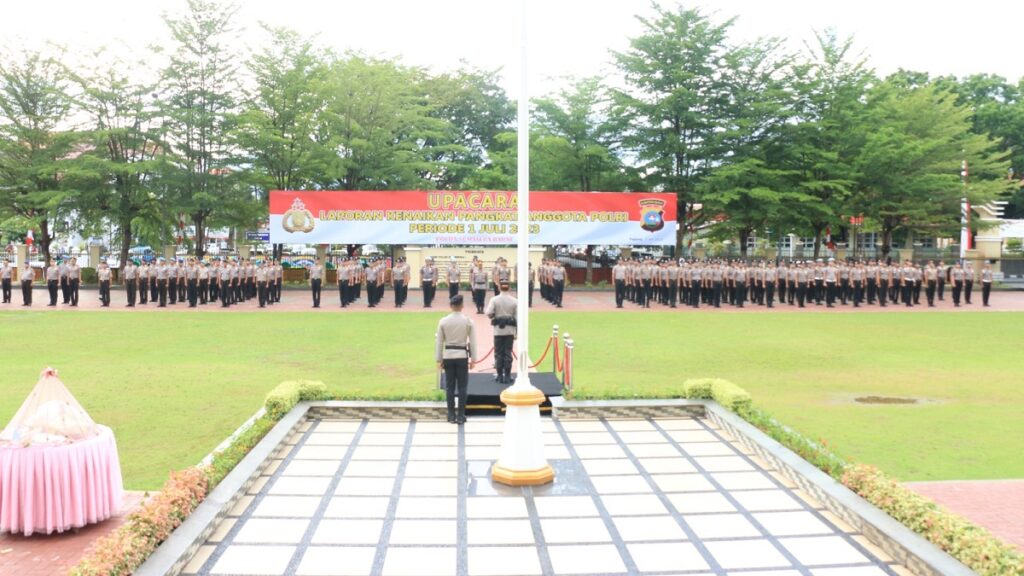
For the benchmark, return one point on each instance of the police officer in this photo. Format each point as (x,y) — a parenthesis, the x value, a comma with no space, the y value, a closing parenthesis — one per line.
(986,283)
(455,351)
(192,283)
(957,275)
(943,271)
(27,275)
(154,287)
(143,282)
(558,282)
(261,284)
(224,285)
(931,275)
(103,275)
(5,281)
(454,277)
(130,281)
(52,282)
(203,278)
(65,288)
(162,271)
(428,280)
(502,312)
(478,279)
(372,274)
(172,281)
(316,274)
(968,281)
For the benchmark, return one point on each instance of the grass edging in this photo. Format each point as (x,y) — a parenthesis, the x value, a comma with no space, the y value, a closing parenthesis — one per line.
(127,548)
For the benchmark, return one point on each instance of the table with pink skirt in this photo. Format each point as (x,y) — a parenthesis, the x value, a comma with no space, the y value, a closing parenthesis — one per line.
(53,488)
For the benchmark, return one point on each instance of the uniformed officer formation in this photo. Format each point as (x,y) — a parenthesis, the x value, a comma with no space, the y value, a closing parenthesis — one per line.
(162,282)
(829,283)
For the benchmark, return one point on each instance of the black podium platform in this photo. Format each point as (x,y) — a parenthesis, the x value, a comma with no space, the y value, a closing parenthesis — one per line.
(485,393)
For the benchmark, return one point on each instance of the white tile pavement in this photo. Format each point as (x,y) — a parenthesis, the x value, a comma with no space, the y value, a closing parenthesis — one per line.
(404,498)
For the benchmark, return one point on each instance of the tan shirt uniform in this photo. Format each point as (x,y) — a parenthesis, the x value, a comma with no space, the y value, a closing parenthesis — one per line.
(455,330)
(502,305)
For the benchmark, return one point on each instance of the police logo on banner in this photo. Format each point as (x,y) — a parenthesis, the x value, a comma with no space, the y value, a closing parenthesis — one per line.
(652,214)
(298,218)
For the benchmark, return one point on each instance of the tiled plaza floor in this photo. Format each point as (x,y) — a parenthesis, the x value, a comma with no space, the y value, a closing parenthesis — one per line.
(631,497)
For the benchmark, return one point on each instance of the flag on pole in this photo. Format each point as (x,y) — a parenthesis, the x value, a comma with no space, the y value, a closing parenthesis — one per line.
(828,238)
(28,238)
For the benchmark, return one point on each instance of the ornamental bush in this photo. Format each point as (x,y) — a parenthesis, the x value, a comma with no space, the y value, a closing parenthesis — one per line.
(287,394)
(120,553)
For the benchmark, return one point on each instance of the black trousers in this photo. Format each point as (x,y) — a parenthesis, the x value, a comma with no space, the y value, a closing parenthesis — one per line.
(716,294)
(801,293)
(456,380)
(225,294)
(769,292)
(162,289)
(154,290)
(929,292)
(75,284)
(261,292)
(830,293)
(399,297)
(695,293)
(371,293)
(26,292)
(645,298)
(858,292)
(968,288)
(453,289)
(204,290)
(883,289)
(214,290)
(51,286)
(181,289)
(908,294)
(193,292)
(782,292)
(479,294)
(428,293)
(620,292)
(673,289)
(5,285)
(741,293)
(143,291)
(105,293)
(819,290)
(872,288)
(65,289)
(314,285)
(559,289)
(986,289)
(130,289)
(503,356)
(942,286)
(172,290)
(957,287)
(917,291)
(844,290)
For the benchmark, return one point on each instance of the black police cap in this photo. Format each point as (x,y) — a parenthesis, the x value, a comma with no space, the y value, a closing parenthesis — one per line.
(456,300)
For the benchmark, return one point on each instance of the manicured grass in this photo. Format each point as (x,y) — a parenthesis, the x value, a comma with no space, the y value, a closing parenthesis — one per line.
(174,385)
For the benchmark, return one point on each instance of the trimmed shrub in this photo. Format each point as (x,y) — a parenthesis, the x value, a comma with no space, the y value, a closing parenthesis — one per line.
(972,545)
(698,388)
(289,393)
(730,395)
(89,276)
(120,553)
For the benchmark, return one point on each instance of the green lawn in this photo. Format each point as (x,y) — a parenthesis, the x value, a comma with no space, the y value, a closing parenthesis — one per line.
(174,385)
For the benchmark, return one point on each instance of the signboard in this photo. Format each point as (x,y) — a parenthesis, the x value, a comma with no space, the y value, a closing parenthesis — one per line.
(251,236)
(470,217)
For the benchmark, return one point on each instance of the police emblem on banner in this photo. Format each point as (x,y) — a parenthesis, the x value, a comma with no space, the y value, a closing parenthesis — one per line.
(298,218)
(652,214)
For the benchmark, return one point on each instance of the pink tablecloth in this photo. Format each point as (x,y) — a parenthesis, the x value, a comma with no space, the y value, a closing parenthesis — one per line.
(56,488)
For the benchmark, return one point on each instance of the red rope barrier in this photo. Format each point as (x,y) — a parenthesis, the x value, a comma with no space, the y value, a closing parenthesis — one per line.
(544,355)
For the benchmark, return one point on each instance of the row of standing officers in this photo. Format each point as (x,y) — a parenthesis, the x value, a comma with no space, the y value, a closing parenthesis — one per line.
(714,282)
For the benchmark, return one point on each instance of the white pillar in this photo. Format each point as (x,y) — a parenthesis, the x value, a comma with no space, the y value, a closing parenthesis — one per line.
(522,459)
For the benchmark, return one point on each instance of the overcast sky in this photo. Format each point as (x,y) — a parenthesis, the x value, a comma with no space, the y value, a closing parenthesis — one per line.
(567,37)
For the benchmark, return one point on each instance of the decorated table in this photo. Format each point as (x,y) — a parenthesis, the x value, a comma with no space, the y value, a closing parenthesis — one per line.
(58,469)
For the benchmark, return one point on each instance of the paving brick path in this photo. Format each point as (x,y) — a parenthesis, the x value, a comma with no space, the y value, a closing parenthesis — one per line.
(998,505)
(55,554)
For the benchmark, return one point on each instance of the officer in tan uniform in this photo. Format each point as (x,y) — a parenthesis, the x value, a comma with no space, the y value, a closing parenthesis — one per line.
(478,280)
(103,275)
(27,276)
(5,280)
(455,351)
(428,281)
(454,277)
(316,274)
(52,281)
(131,273)
(502,312)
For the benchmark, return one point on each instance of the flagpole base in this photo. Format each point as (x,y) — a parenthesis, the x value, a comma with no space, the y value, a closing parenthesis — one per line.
(522,461)
(510,477)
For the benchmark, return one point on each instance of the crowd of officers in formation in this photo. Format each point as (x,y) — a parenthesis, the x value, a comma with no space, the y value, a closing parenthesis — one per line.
(161,282)
(377,275)
(717,282)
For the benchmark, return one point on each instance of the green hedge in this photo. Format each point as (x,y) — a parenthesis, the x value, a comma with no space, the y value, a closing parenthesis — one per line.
(287,394)
(89,276)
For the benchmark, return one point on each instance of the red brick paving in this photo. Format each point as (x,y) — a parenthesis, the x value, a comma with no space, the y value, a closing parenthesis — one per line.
(295,299)
(997,505)
(55,554)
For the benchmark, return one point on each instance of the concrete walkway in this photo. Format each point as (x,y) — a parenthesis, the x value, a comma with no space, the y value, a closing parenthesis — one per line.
(997,505)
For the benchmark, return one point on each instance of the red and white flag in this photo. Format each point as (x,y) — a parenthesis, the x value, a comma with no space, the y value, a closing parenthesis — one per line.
(28,238)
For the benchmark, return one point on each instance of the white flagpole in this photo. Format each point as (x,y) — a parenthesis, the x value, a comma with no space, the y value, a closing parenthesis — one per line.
(521,461)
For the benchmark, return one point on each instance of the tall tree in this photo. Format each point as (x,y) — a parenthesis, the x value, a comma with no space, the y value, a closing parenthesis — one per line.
(121,164)
(671,106)
(910,163)
(198,107)
(379,124)
(476,110)
(37,145)
(828,133)
(751,187)
(284,112)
